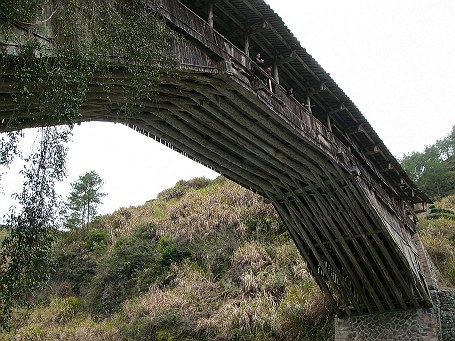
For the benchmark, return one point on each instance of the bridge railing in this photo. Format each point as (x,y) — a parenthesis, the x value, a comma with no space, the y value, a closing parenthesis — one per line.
(199,29)
(287,106)
(293,110)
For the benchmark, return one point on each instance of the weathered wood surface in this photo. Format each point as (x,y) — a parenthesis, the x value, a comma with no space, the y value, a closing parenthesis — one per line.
(340,210)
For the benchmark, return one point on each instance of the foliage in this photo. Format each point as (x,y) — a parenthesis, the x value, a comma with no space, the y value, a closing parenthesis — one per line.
(437,232)
(3,233)
(307,314)
(75,265)
(25,253)
(52,80)
(134,263)
(82,201)
(433,170)
(22,11)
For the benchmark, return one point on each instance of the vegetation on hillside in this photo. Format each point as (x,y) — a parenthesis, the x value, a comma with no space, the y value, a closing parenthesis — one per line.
(437,231)
(88,43)
(433,170)
(205,260)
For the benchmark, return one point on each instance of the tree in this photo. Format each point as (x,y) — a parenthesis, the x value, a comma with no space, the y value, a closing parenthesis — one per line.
(82,202)
(433,170)
(50,90)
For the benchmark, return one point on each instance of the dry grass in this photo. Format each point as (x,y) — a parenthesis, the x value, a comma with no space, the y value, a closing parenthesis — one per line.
(447,202)
(184,304)
(206,213)
(64,319)
(244,319)
(438,236)
(251,255)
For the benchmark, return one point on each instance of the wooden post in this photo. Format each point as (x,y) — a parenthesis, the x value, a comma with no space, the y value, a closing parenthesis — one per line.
(276,76)
(210,14)
(329,124)
(246,44)
(308,103)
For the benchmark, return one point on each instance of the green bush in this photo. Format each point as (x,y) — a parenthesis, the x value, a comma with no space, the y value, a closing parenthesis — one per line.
(115,279)
(65,309)
(168,253)
(96,240)
(441,210)
(441,215)
(134,264)
(452,273)
(75,266)
(138,329)
(165,335)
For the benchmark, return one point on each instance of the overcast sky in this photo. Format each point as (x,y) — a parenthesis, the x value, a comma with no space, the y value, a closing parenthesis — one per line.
(394,59)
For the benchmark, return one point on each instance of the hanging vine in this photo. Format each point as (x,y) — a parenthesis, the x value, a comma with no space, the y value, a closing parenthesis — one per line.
(63,50)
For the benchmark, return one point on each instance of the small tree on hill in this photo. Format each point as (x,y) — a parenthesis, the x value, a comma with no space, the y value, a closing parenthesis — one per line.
(82,202)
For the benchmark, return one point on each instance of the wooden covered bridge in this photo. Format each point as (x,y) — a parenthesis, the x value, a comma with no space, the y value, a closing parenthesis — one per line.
(302,144)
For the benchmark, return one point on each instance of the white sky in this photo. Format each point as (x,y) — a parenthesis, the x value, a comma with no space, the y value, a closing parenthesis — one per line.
(395,59)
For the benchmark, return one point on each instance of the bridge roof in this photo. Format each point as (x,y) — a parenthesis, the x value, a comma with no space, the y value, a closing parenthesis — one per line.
(269,35)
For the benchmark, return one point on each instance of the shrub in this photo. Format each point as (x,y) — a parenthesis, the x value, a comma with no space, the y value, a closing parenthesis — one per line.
(96,240)
(441,215)
(441,210)
(135,263)
(65,309)
(75,266)
(140,329)
(117,273)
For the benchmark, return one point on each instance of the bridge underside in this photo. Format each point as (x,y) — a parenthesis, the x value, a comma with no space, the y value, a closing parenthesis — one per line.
(340,228)
(356,239)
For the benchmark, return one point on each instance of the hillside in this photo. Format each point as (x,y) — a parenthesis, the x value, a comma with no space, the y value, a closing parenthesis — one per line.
(205,260)
(437,231)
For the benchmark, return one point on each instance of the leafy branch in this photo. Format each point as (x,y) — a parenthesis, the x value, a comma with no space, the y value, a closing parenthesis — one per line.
(92,42)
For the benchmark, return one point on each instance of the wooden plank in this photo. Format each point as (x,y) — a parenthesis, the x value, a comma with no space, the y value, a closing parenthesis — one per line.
(337,209)
(291,225)
(312,215)
(391,264)
(344,206)
(295,216)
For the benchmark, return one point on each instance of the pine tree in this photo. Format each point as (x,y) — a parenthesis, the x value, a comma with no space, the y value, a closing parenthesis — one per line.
(82,202)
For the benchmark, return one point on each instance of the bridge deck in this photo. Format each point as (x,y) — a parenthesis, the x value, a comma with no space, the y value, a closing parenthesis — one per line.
(340,210)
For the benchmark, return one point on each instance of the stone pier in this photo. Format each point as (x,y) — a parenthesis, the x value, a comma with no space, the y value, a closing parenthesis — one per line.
(430,324)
